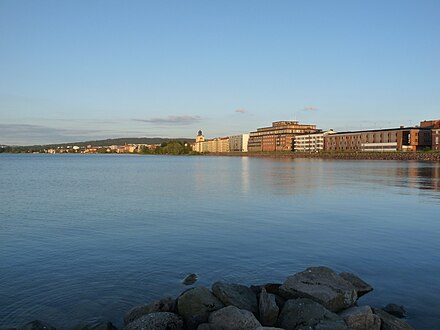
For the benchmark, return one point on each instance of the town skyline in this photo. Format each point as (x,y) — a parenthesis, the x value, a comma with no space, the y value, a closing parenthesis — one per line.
(93,70)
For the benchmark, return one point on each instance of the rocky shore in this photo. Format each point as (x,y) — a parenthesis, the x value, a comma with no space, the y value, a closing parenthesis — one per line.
(317,298)
(401,156)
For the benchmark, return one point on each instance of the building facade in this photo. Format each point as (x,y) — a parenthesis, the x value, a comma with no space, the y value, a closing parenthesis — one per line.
(310,142)
(212,145)
(434,125)
(239,143)
(393,139)
(198,145)
(278,137)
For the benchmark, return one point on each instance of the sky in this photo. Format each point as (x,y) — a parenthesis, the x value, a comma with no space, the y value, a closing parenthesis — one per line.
(90,69)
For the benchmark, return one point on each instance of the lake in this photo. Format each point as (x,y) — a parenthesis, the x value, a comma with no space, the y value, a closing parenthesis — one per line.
(87,237)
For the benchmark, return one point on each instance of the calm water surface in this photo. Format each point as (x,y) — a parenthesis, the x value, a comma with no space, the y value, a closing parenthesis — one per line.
(85,238)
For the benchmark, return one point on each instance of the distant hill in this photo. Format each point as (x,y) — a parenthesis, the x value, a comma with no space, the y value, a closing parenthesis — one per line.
(118,141)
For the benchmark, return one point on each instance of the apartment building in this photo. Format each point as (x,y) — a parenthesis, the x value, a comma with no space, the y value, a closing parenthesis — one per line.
(310,142)
(239,143)
(393,139)
(277,137)
(434,125)
(212,145)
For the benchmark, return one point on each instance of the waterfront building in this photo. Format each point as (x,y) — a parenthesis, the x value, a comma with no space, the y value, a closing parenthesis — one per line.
(212,145)
(434,125)
(239,143)
(277,137)
(310,142)
(392,139)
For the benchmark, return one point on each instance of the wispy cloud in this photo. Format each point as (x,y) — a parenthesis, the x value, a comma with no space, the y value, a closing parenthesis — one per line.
(310,108)
(241,110)
(36,134)
(172,120)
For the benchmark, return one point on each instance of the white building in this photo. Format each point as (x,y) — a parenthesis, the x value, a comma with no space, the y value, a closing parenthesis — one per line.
(310,142)
(239,143)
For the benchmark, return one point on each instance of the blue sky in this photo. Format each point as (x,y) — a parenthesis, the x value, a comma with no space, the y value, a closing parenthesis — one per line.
(79,70)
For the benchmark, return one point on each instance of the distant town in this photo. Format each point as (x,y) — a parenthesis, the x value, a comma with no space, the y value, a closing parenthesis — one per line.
(281,136)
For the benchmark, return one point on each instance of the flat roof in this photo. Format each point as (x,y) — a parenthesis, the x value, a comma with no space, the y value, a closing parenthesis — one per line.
(380,130)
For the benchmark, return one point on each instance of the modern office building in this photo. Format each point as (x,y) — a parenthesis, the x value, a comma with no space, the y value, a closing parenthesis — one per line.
(310,142)
(434,125)
(393,139)
(277,137)
(239,143)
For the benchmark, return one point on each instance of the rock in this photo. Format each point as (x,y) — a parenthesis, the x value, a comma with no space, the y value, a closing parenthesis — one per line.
(233,318)
(96,326)
(37,325)
(204,326)
(236,295)
(157,321)
(270,288)
(361,318)
(268,328)
(360,286)
(395,310)
(163,305)
(268,308)
(322,285)
(190,279)
(390,322)
(195,305)
(305,313)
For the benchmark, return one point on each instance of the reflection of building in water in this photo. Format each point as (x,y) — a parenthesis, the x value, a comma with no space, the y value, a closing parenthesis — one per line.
(278,137)
(423,176)
(393,139)
(310,142)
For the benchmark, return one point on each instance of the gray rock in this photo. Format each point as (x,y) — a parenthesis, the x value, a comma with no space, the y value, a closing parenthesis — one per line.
(270,288)
(96,326)
(204,326)
(395,310)
(322,285)
(268,328)
(37,325)
(157,321)
(305,313)
(163,305)
(190,279)
(360,286)
(268,308)
(233,318)
(236,295)
(361,318)
(196,304)
(390,322)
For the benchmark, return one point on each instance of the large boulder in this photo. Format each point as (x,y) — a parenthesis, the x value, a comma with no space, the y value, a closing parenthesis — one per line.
(163,305)
(304,313)
(390,322)
(360,286)
(96,326)
(268,308)
(322,285)
(157,321)
(236,295)
(196,304)
(395,310)
(37,325)
(361,318)
(233,318)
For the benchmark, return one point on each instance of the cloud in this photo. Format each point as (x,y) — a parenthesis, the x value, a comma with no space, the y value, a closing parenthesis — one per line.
(311,109)
(241,110)
(172,120)
(36,134)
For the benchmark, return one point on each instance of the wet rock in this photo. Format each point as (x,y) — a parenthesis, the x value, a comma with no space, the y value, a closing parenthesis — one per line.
(163,305)
(390,322)
(37,325)
(236,295)
(270,288)
(204,326)
(395,310)
(195,305)
(190,279)
(157,321)
(322,285)
(268,308)
(360,286)
(361,318)
(96,326)
(305,313)
(233,318)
